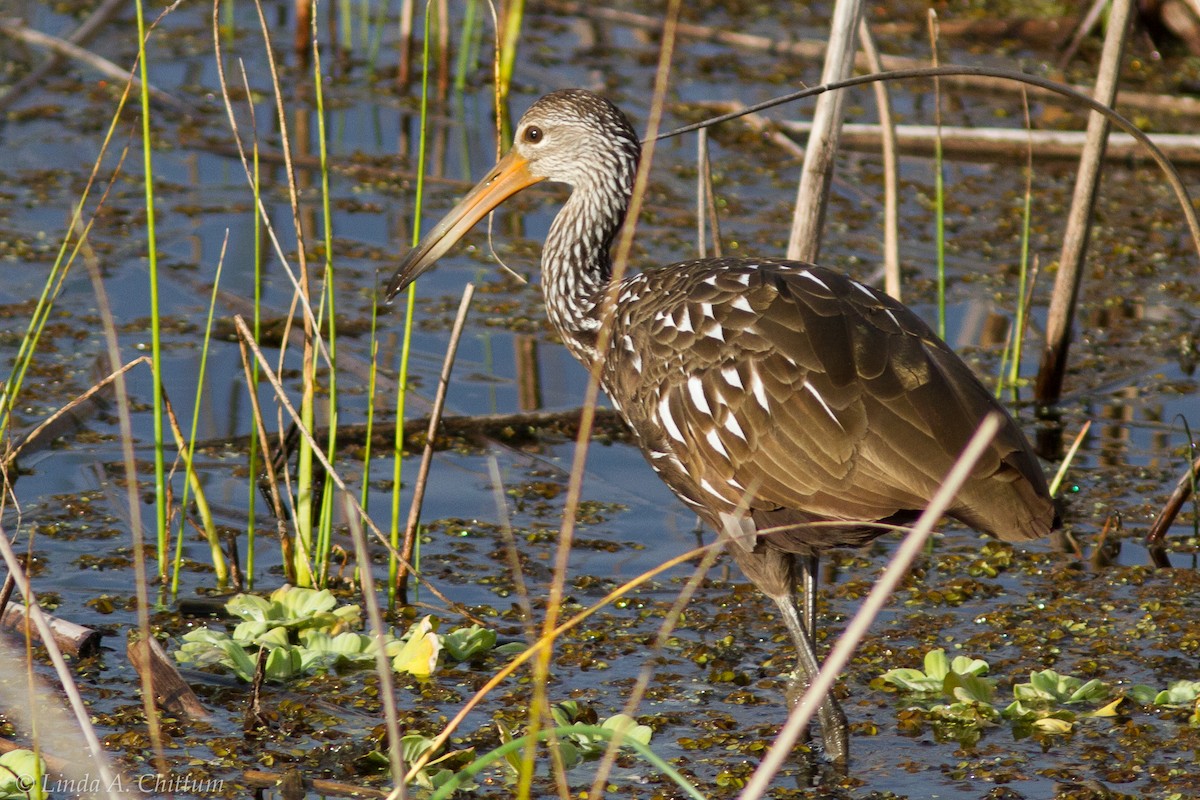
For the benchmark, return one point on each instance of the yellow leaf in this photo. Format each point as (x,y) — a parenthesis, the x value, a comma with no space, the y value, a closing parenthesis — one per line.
(1109,710)
(420,653)
(1052,725)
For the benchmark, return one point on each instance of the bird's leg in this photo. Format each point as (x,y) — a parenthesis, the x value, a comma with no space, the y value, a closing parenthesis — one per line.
(808,585)
(833,721)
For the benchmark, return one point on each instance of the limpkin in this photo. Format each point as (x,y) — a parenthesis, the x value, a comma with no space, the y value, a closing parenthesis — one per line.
(769,395)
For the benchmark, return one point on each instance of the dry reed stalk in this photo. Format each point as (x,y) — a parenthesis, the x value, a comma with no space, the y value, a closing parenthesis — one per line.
(129,464)
(891,169)
(34,706)
(439,402)
(405,43)
(1183,490)
(1002,143)
(30,439)
(706,203)
(1170,173)
(443,54)
(79,37)
(264,443)
(301,44)
(383,664)
(638,692)
(808,216)
(105,67)
(511,552)
(1053,368)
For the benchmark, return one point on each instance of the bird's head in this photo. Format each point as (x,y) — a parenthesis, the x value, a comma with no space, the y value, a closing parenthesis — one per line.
(571,136)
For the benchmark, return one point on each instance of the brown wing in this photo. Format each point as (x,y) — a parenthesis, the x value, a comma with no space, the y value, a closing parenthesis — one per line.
(799,389)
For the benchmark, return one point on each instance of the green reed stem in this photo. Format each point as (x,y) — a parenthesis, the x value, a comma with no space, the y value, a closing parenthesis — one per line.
(258,284)
(160,493)
(468,50)
(1018,335)
(511,35)
(346,15)
(325,530)
(376,40)
(220,567)
(372,379)
(406,347)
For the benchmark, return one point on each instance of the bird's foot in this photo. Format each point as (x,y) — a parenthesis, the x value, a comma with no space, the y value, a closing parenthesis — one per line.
(835,731)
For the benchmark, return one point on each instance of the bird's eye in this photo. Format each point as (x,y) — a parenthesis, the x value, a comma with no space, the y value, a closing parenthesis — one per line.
(533,134)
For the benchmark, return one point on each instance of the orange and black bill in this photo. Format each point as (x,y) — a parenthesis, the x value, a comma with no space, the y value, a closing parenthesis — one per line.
(510,175)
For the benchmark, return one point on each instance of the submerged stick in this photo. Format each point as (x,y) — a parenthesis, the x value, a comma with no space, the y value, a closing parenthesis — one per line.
(171,691)
(261,779)
(102,65)
(71,638)
(79,37)
(811,49)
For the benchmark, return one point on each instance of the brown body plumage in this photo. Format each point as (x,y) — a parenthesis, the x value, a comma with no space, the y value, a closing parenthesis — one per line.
(768,394)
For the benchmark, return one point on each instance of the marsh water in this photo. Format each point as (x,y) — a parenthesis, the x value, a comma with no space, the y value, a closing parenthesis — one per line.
(716,697)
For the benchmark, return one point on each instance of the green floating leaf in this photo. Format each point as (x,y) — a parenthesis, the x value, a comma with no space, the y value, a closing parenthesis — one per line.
(937,666)
(464,644)
(969,688)
(413,746)
(1049,686)
(938,669)
(510,649)
(274,637)
(629,728)
(249,630)
(283,663)
(1039,716)
(913,680)
(21,775)
(1142,694)
(249,607)
(566,713)
(297,602)
(1179,694)
(512,758)
(293,607)
(964,665)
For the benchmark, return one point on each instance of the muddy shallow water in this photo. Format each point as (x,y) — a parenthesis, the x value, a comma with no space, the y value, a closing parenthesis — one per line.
(716,697)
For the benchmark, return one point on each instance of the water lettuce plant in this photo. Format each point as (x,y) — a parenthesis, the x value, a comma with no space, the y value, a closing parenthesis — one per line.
(305,631)
(1038,706)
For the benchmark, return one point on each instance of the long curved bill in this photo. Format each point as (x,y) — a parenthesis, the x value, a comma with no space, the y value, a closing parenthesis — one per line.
(510,175)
